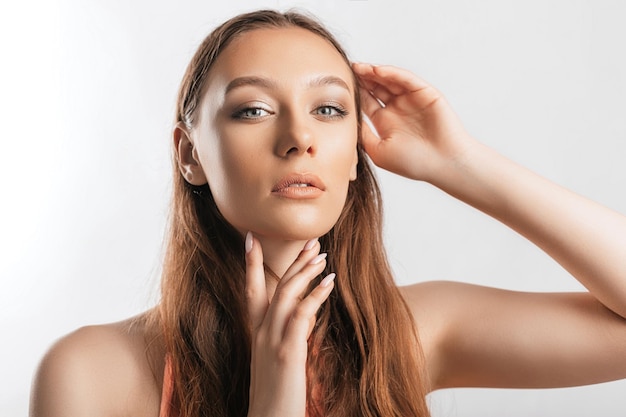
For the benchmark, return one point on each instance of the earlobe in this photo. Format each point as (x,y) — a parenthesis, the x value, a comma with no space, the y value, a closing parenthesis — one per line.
(187,156)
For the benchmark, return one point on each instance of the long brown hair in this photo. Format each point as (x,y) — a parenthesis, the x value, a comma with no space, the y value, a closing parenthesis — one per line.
(365,358)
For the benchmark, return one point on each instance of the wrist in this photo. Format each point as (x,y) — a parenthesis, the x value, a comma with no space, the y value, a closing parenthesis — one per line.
(478,176)
(456,163)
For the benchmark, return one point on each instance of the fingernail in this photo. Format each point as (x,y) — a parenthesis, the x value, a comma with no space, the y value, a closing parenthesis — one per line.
(319,258)
(248,242)
(326,281)
(309,245)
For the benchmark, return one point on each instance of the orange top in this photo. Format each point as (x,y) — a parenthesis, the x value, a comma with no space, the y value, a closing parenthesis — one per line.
(168,390)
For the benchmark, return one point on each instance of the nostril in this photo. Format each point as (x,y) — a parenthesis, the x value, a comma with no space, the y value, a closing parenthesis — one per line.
(292,150)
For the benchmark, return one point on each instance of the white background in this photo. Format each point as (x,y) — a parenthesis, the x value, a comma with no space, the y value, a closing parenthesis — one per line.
(87,99)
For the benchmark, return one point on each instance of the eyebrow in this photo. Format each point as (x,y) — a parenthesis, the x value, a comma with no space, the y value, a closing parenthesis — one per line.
(262,82)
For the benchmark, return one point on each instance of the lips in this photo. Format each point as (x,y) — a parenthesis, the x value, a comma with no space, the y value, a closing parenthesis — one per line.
(299,186)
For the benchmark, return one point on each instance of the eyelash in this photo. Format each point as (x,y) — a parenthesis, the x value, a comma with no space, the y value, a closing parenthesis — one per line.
(240,114)
(340,111)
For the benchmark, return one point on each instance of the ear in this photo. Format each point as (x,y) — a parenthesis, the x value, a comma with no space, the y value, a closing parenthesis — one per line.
(187,156)
(355,162)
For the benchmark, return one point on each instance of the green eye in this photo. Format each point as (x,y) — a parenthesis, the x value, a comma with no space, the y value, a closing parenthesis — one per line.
(331,112)
(251,113)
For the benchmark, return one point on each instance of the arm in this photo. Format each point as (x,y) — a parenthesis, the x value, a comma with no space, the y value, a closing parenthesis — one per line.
(587,239)
(476,336)
(421,138)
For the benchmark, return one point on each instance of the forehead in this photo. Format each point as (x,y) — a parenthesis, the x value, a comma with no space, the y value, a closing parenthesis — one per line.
(287,55)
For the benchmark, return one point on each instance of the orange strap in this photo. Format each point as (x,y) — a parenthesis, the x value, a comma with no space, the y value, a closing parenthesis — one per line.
(168,389)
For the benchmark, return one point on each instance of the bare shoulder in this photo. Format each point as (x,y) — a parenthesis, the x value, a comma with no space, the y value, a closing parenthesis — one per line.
(428,302)
(434,304)
(446,311)
(432,297)
(105,370)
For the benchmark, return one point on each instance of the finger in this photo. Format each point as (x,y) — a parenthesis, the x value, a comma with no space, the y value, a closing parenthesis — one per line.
(288,296)
(362,69)
(255,290)
(401,77)
(369,104)
(299,326)
(375,83)
(369,139)
(384,77)
(292,286)
(309,251)
(383,94)
(368,82)
(396,79)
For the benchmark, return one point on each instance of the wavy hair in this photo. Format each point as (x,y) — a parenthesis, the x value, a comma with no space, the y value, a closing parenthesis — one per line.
(365,357)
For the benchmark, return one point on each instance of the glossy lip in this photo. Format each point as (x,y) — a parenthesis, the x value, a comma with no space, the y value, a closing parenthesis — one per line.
(315,186)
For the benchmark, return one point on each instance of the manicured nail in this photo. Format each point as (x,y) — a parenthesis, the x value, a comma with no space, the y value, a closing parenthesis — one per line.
(319,258)
(326,281)
(248,242)
(309,245)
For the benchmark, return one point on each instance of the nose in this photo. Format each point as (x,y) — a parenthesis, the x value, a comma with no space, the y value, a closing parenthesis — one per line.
(295,136)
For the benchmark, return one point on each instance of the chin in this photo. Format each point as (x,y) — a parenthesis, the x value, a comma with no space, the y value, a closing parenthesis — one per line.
(295,231)
(287,223)
(286,228)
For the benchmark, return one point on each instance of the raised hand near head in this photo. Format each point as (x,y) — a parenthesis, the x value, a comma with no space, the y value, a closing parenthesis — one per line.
(418,132)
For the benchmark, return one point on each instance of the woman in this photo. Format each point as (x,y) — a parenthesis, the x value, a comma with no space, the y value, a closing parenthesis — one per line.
(277,299)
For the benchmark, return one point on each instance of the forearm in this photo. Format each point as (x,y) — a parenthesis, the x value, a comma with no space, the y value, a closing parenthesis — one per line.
(586,238)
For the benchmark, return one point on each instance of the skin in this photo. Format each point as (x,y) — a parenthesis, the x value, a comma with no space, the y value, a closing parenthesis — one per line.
(286,120)
(471,335)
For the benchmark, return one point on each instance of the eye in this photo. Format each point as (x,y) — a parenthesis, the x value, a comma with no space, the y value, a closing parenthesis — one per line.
(251,113)
(331,111)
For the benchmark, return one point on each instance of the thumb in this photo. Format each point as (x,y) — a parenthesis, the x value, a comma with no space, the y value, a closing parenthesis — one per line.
(255,290)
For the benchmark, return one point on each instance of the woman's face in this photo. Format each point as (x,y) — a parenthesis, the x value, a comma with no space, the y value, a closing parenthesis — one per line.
(277,133)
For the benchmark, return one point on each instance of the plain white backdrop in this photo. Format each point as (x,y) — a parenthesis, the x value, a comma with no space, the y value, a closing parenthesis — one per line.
(87,99)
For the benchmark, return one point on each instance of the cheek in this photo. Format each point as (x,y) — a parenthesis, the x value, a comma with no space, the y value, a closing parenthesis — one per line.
(341,153)
(233,174)
(339,156)
(227,159)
